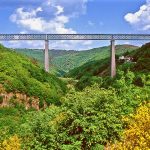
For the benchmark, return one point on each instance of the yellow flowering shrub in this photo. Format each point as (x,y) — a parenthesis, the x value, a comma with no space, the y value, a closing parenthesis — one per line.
(137,134)
(13,143)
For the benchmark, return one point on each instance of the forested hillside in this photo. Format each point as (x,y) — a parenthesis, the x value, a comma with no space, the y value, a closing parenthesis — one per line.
(65,60)
(87,73)
(19,74)
(98,113)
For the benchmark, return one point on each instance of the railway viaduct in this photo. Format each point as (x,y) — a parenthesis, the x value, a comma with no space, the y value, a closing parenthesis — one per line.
(46,37)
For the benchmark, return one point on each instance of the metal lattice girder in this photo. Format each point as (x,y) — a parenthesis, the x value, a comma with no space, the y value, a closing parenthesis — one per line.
(79,36)
(131,36)
(7,37)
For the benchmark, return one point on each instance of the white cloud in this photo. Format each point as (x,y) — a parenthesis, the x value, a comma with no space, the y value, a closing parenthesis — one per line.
(71,44)
(25,44)
(90,23)
(89,42)
(60,10)
(30,20)
(12,44)
(127,43)
(141,18)
(23,32)
(20,13)
(70,8)
(147,27)
(53,17)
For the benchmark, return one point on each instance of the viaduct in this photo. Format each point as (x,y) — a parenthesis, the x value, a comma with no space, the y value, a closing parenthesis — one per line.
(47,37)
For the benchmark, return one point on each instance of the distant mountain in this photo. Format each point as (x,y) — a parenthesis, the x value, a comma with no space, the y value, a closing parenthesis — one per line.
(63,60)
(70,61)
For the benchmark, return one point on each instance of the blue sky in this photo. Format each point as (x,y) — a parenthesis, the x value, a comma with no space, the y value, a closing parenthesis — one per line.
(73,16)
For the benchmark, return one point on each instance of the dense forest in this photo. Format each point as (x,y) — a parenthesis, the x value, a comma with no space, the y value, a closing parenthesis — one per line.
(84,110)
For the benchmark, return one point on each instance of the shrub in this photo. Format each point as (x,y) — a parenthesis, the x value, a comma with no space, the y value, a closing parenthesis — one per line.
(85,120)
(13,143)
(137,133)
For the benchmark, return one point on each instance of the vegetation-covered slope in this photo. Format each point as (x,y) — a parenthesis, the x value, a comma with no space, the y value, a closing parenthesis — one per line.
(66,60)
(70,61)
(142,59)
(88,72)
(19,75)
(91,68)
(94,118)
(86,120)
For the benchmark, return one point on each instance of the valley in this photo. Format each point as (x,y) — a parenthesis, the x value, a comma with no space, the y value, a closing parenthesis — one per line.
(74,74)
(84,109)
(65,60)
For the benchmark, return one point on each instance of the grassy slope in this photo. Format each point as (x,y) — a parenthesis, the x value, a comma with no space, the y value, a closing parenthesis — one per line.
(19,74)
(67,60)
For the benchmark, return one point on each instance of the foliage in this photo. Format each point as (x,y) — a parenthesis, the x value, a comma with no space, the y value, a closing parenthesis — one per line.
(88,80)
(19,74)
(92,68)
(137,133)
(10,120)
(13,143)
(85,119)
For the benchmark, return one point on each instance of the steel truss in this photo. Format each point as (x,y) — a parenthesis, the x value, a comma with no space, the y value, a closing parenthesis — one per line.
(8,37)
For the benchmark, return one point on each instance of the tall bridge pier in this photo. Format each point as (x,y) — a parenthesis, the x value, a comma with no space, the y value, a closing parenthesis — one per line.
(46,56)
(112,59)
(47,37)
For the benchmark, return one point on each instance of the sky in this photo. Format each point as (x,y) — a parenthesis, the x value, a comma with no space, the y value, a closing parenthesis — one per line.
(72,17)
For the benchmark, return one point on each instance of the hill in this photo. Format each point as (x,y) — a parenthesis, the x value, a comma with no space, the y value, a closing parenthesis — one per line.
(21,79)
(103,115)
(142,59)
(70,61)
(62,60)
(87,73)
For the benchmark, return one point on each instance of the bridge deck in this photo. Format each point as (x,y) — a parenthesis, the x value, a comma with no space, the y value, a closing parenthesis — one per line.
(8,37)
